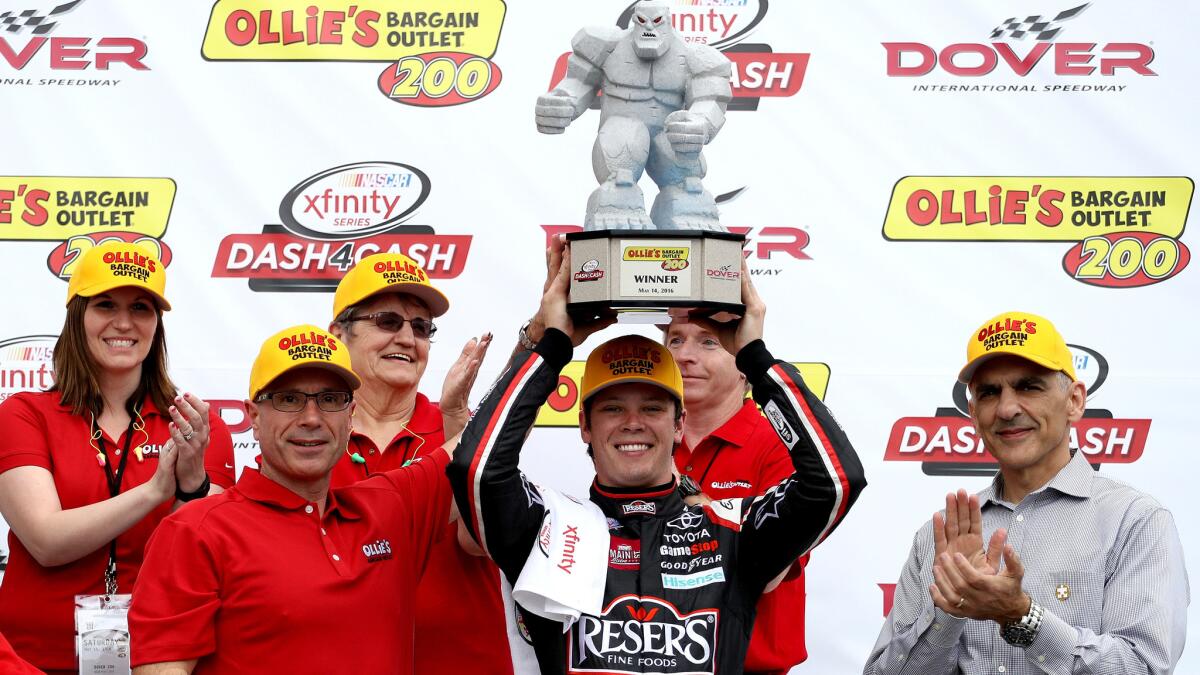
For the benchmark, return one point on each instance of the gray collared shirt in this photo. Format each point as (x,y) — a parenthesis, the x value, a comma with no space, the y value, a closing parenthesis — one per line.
(1103,559)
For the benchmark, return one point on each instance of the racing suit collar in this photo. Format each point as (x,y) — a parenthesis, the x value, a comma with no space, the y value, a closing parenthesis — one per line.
(623,503)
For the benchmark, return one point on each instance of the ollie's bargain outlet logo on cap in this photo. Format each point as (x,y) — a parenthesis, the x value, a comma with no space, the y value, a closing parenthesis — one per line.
(333,219)
(758,71)
(1021,46)
(310,345)
(438,52)
(1126,230)
(948,445)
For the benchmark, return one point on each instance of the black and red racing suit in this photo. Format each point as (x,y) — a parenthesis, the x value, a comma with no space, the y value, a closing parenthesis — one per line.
(682,580)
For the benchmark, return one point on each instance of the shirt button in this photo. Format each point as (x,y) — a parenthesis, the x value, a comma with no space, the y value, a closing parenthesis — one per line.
(1041,658)
(118,452)
(1020,519)
(336,558)
(322,532)
(688,467)
(308,508)
(1001,669)
(937,626)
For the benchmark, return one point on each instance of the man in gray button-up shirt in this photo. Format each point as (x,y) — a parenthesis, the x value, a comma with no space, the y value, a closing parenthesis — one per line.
(1080,574)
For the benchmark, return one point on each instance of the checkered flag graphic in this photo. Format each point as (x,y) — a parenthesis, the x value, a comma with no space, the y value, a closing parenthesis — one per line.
(41,22)
(1040,28)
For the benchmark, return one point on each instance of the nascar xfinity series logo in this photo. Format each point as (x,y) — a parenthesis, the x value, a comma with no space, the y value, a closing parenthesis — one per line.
(26,364)
(947,443)
(438,52)
(758,72)
(644,635)
(329,221)
(1022,46)
(1126,229)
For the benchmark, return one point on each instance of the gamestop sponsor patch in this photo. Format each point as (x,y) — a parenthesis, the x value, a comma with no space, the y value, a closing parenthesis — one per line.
(1127,230)
(644,634)
(331,220)
(438,52)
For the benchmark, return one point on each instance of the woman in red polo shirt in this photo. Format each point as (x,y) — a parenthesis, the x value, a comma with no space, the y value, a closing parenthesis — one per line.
(90,467)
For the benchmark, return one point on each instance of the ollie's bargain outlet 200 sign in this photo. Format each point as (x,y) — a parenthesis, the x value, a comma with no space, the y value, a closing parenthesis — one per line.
(901,172)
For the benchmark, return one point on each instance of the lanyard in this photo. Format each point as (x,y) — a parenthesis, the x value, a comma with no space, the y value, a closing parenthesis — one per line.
(114,489)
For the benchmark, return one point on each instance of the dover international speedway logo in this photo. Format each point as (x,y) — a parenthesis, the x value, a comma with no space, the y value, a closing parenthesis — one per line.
(31,41)
(439,52)
(1126,230)
(948,445)
(1022,46)
(758,71)
(329,221)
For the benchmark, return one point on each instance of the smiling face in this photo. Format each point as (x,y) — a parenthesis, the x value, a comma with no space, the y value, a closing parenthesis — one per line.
(1024,414)
(300,448)
(396,360)
(651,25)
(710,375)
(119,326)
(633,430)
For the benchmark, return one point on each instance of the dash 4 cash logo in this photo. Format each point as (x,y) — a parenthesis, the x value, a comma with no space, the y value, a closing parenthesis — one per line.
(35,51)
(80,212)
(562,407)
(758,71)
(1022,46)
(438,52)
(948,445)
(1126,230)
(329,221)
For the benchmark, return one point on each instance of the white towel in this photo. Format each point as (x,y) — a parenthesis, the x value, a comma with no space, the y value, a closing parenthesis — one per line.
(566,570)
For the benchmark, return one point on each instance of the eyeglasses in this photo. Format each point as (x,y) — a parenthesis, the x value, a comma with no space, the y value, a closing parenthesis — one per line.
(294,401)
(392,322)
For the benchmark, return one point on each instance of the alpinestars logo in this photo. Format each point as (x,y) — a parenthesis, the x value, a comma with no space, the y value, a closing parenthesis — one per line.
(1010,53)
(948,445)
(37,49)
(644,635)
(329,221)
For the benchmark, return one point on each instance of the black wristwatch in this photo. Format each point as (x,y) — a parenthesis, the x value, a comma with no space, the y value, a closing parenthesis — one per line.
(688,487)
(201,491)
(1023,631)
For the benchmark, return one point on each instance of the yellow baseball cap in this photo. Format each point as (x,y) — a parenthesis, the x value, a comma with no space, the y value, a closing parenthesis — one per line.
(304,346)
(391,273)
(114,264)
(1022,334)
(631,358)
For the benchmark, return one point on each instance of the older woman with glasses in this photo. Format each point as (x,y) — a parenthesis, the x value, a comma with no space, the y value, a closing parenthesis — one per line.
(89,468)
(384,311)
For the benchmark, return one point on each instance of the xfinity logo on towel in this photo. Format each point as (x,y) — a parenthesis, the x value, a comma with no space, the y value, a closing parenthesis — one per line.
(379,550)
(330,220)
(570,537)
(638,507)
(644,635)
(1020,46)
(947,443)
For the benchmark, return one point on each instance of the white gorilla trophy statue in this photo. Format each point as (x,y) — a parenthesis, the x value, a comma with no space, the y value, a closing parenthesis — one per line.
(663,100)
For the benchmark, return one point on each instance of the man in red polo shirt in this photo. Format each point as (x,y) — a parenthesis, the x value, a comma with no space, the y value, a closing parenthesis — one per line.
(280,573)
(730,451)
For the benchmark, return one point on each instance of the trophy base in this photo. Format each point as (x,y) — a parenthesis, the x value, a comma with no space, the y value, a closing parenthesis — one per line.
(649,276)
